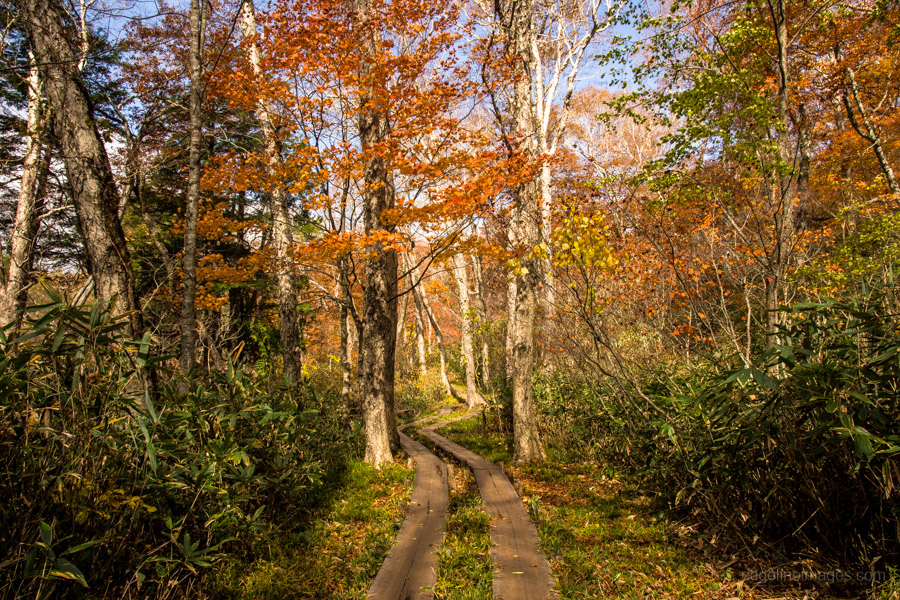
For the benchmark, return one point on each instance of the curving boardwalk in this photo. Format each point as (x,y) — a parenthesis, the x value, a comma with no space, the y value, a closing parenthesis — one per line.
(521,571)
(410,569)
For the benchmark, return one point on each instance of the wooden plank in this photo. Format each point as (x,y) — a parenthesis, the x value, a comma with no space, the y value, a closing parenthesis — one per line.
(521,571)
(410,569)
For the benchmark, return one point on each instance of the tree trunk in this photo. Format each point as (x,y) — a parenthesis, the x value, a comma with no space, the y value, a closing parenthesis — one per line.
(420,336)
(348,311)
(462,285)
(526,440)
(346,386)
(483,319)
(401,322)
(548,298)
(88,168)
(35,169)
(189,290)
(421,299)
(785,211)
(511,290)
(867,129)
(377,343)
(525,230)
(285,281)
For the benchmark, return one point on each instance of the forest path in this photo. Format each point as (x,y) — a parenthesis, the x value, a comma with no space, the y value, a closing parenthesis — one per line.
(521,570)
(410,569)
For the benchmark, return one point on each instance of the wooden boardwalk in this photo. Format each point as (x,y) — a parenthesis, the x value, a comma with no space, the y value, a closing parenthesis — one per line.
(410,569)
(521,572)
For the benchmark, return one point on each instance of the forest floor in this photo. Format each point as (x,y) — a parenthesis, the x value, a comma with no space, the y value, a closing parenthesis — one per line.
(341,550)
(605,539)
(602,535)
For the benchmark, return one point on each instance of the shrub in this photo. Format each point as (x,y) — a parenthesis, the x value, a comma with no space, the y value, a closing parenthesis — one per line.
(114,491)
(803,450)
(808,444)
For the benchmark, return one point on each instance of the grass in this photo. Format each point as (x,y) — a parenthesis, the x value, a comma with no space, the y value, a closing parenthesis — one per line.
(339,553)
(605,538)
(472,434)
(464,562)
(604,542)
(890,590)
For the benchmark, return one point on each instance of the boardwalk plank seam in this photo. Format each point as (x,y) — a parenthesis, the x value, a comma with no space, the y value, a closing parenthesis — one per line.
(410,570)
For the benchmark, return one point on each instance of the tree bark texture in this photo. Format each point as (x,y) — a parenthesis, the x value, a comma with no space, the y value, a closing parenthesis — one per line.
(401,321)
(88,169)
(348,311)
(468,351)
(481,303)
(511,289)
(420,338)
(346,385)
(35,169)
(784,207)
(189,290)
(378,340)
(525,230)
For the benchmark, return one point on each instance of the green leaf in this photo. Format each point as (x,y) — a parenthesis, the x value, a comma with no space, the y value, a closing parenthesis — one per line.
(63,569)
(144,350)
(862,441)
(80,547)
(46,534)
(763,380)
(861,397)
(150,408)
(151,449)
(60,336)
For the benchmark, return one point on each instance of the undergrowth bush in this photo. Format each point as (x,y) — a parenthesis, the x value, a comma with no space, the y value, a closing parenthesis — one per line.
(416,394)
(803,451)
(110,490)
(806,448)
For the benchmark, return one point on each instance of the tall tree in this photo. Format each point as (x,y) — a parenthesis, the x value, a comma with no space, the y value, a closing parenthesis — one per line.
(468,352)
(420,337)
(346,304)
(35,169)
(482,310)
(88,169)
(517,19)
(285,280)
(189,291)
(377,343)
